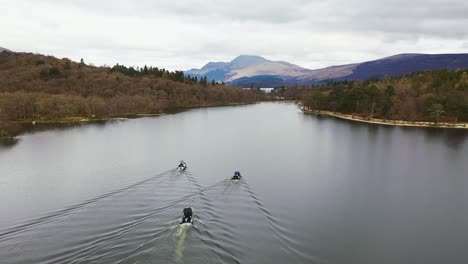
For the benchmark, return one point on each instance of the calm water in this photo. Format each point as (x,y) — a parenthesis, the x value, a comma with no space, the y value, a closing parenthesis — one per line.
(315,190)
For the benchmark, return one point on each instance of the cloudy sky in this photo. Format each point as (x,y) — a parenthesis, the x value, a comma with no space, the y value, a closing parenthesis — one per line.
(186,34)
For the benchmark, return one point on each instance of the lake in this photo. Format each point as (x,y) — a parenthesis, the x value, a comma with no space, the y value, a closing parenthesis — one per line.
(314,190)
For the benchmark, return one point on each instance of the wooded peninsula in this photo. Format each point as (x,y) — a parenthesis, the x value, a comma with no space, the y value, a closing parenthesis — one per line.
(44,88)
(433,96)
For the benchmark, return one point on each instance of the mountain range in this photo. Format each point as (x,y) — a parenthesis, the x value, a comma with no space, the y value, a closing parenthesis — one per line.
(248,70)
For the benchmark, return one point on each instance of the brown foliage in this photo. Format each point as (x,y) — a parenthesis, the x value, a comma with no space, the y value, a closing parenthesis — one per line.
(408,97)
(43,87)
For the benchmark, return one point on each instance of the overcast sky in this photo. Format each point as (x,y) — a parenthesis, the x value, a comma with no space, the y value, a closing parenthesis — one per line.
(186,34)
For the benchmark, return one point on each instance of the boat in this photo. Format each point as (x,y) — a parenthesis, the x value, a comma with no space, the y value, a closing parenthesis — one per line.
(182,166)
(237,176)
(187,218)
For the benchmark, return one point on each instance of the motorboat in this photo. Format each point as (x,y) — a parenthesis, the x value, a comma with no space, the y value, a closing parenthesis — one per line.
(237,176)
(182,166)
(188,216)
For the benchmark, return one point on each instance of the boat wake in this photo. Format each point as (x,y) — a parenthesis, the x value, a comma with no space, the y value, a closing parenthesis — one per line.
(140,223)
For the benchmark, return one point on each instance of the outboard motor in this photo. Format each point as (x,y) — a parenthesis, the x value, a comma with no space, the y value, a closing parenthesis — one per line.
(187,218)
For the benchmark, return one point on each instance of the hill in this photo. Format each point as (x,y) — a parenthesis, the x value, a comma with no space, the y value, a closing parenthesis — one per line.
(407,63)
(424,96)
(253,70)
(38,87)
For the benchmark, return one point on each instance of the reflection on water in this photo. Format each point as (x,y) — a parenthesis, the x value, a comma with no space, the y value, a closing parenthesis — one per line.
(8,142)
(38,127)
(314,190)
(454,138)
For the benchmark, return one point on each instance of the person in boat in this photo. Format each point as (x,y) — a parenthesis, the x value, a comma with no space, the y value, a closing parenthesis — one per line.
(236,176)
(187,218)
(182,165)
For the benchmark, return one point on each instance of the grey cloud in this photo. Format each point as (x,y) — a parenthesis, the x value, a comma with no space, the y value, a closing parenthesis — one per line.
(417,17)
(279,11)
(185,34)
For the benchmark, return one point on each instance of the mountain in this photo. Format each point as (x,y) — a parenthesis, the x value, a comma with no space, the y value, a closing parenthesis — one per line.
(3,49)
(407,63)
(257,71)
(247,66)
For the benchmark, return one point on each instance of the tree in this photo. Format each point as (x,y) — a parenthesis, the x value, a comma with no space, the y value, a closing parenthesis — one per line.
(390,91)
(387,107)
(54,72)
(387,103)
(39,62)
(436,111)
(455,104)
(67,65)
(374,94)
(44,74)
(7,128)
(315,100)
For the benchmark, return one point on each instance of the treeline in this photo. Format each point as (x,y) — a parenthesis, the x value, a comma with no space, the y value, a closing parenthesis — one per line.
(176,76)
(37,87)
(424,96)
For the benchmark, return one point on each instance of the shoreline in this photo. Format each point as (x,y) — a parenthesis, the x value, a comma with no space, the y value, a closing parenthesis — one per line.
(79,119)
(28,124)
(389,122)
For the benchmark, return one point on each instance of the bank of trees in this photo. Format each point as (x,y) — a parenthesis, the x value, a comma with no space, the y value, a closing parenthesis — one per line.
(37,87)
(426,96)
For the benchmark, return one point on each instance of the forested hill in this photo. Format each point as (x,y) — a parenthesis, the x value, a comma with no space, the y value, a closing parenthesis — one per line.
(38,87)
(425,96)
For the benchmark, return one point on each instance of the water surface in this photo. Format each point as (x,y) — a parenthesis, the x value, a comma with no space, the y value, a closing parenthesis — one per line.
(315,190)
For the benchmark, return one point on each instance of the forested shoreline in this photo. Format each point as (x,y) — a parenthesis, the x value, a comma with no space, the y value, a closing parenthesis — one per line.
(38,87)
(435,96)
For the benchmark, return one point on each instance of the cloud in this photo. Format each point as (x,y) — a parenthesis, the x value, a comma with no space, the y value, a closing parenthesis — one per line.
(186,34)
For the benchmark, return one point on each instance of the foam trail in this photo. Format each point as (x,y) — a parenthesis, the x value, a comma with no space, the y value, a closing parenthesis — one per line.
(181,236)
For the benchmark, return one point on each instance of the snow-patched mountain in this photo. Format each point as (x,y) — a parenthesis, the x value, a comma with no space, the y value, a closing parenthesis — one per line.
(257,71)
(2,49)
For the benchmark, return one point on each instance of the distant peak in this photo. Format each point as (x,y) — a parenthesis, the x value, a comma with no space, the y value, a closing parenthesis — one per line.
(246,61)
(249,57)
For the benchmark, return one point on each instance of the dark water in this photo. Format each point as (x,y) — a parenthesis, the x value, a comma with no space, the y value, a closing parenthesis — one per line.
(315,190)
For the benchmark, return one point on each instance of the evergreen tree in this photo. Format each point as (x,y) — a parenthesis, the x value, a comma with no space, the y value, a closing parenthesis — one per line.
(436,111)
